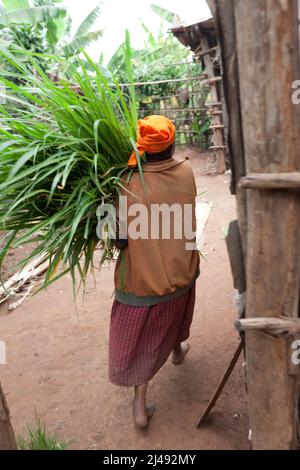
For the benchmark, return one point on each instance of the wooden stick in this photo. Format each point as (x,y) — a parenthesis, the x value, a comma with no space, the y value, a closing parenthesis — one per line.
(168,97)
(175,110)
(182,119)
(157,82)
(289,180)
(178,63)
(178,131)
(16,282)
(14,305)
(22,275)
(222,383)
(207,81)
(217,126)
(217,147)
(270,325)
(212,105)
(207,51)
(197,50)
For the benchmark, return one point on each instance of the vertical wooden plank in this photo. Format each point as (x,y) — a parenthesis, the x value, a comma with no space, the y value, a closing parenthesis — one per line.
(268,59)
(223,11)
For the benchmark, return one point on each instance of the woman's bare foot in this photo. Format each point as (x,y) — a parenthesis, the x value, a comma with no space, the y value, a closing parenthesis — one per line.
(150,410)
(141,413)
(142,416)
(179,353)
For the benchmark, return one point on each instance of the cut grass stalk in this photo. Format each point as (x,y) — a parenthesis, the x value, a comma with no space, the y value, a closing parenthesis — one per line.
(62,154)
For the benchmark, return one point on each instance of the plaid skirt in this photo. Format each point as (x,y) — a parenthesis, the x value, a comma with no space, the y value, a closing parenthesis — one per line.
(142,338)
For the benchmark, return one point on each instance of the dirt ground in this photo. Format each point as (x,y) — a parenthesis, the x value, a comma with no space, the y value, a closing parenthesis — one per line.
(57,358)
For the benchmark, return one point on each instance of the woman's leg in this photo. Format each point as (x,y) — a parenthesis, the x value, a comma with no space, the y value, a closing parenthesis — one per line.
(141,413)
(179,352)
(181,346)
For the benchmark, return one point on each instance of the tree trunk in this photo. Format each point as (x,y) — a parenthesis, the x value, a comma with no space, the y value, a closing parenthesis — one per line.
(7,437)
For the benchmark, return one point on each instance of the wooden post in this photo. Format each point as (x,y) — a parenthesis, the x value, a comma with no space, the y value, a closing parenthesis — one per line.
(216,118)
(268,57)
(7,437)
(223,11)
(260,41)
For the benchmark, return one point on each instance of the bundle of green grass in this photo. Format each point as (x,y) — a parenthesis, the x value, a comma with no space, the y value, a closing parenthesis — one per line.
(62,154)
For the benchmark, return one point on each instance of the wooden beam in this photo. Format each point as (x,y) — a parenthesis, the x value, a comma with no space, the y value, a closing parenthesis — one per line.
(267,46)
(275,326)
(217,147)
(289,180)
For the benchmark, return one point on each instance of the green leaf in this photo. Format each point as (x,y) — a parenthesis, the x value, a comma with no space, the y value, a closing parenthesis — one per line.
(165,14)
(31,16)
(128,57)
(88,22)
(21,161)
(52,31)
(80,42)
(151,40)
(15,4)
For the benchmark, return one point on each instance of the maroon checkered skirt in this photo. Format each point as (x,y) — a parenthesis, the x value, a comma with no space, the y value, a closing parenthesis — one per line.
(142,338)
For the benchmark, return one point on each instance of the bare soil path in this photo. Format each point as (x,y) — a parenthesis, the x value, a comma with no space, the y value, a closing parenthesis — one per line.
(57,359)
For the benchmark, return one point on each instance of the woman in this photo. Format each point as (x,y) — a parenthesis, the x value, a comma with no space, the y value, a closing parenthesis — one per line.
(155,274)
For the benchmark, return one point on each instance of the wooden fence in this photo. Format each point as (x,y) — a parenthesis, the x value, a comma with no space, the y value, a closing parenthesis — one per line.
(185,103)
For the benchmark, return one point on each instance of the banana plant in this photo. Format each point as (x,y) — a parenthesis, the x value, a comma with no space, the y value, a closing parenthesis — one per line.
(166,15)
(44,27)
(157,50)
(20,12)
(83,36)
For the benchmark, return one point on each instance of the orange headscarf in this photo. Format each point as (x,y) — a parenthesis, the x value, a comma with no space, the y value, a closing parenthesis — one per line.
(155,134)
